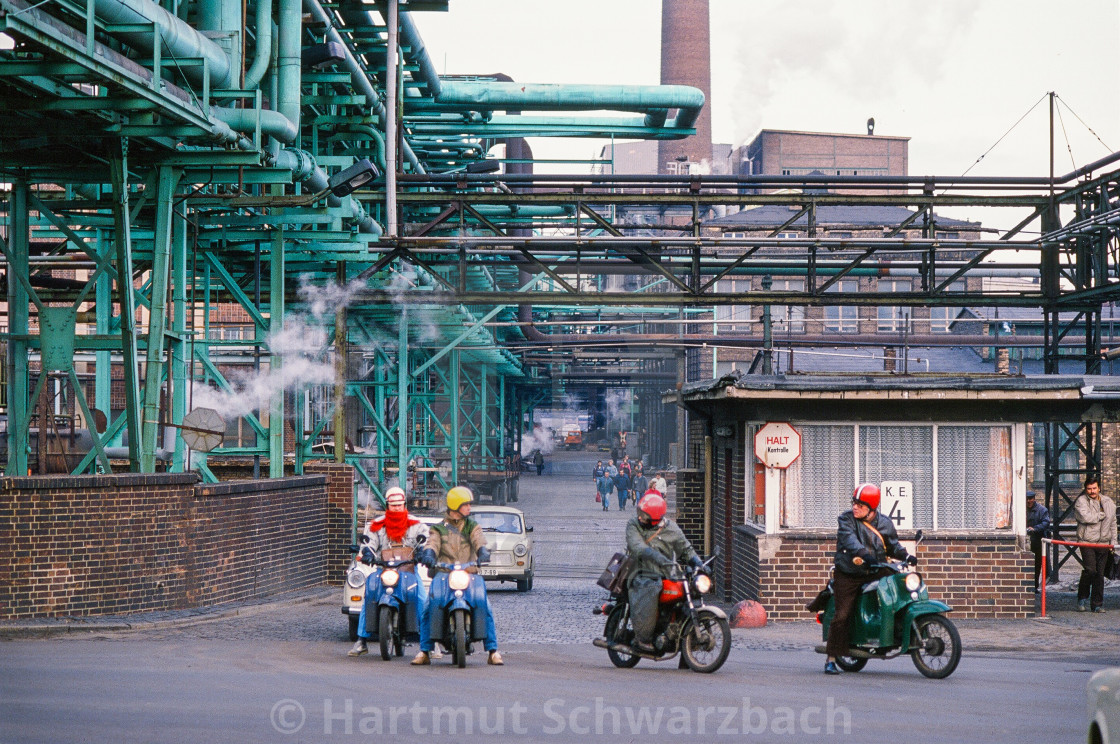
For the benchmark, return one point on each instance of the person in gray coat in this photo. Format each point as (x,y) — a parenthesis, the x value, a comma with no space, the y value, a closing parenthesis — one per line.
(1096,523)
(655,545)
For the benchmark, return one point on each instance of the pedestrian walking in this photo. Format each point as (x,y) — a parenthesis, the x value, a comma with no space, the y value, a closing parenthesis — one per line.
(538,460)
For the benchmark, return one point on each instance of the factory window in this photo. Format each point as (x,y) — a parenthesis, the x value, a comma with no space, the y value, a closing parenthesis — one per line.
(733,318)
(892,318)
(941,318)
(681,168)
(1070,459)
(940,462)
(787,318)
(842,318)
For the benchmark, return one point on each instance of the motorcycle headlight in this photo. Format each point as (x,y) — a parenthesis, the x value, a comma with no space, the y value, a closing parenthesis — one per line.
(913,582)
(389,577)
(355,579)
(703,583)
(459,580)
(520,550)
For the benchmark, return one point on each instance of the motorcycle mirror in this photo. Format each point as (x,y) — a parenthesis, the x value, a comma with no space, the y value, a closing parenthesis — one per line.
(918,536)
(528,529)
(420,539)
(363,539)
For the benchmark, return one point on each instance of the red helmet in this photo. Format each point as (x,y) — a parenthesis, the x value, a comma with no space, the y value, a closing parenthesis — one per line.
(653,491)
(867,493)
(653,506)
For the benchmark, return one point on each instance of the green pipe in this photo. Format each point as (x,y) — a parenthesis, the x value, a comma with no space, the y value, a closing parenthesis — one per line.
(178,37)
(221,22)
(288,60)
(263,54)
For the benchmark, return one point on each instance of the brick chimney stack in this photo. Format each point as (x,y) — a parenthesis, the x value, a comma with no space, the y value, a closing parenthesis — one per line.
(686,59)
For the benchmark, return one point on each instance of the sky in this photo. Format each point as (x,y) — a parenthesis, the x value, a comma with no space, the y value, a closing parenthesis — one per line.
(956,76)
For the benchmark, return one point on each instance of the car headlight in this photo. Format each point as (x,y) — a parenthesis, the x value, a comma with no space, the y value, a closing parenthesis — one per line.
(703,583)
(389,577)
(520,549)
(355,579)
(913,582)
(459,580)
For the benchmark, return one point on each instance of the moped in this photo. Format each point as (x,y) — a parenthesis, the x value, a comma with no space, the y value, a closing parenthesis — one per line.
(685,625)
(894,616)
(457,609)
(395,590)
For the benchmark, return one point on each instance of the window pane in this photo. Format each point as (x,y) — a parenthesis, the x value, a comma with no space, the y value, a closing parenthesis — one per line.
(818,486)
(842,319)
(901,453)
(973,477)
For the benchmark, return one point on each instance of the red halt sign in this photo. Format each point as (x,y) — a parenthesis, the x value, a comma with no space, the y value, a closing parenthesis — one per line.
(777,445)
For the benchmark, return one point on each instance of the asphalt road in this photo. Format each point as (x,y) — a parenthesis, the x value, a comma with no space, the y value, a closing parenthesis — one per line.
(279,672)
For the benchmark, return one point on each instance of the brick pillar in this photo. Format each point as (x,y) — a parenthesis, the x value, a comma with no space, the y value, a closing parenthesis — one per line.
(690,506)
(340,509)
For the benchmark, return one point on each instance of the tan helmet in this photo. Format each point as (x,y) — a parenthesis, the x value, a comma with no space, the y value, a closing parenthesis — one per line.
(394,495)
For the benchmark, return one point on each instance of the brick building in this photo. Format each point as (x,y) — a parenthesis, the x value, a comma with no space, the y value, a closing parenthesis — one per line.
(960,443)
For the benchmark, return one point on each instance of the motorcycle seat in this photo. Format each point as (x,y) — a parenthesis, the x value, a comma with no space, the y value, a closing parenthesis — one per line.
(872,587)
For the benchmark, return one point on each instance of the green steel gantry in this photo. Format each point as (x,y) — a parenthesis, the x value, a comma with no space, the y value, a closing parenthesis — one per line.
(177,172)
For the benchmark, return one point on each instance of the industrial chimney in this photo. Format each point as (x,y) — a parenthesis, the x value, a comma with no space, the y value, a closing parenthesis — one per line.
(686,59)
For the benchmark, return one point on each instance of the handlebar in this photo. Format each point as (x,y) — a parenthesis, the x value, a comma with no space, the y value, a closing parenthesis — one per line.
(449,567)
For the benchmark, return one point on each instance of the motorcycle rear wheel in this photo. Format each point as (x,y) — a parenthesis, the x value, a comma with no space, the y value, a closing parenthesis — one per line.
(619,631)
(459,638)
(707,642)
(939,649)
(386,632)
(850,663)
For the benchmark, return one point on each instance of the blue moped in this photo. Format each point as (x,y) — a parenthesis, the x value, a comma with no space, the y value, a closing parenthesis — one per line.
(457,609)
(395,591)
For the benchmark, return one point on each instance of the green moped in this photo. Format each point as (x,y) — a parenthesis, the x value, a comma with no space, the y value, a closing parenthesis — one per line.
(895,616)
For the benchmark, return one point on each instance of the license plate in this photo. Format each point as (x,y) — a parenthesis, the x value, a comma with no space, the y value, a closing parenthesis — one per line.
(487,572)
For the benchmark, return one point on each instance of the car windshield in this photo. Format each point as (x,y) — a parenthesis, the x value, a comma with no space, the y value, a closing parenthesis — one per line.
(498,522)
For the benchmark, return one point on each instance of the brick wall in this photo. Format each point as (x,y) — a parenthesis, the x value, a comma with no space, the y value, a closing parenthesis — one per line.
(690,506)
(116,544)
(340,509)
(984,575)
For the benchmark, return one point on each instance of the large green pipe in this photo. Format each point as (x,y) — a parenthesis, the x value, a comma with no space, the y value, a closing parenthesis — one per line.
(653,100)
(221,22)
(263,54)
(179,38)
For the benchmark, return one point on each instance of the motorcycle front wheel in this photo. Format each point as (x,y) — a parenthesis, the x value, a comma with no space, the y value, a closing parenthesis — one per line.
(937,647)
(707,642)
(459,638)
(386,618)
(619,631)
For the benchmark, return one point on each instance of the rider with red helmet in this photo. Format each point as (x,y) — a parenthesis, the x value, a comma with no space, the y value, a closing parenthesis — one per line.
(864,540)
(655,544)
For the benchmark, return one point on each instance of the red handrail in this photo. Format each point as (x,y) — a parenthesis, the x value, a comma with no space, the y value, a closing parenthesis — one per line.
(1044,561)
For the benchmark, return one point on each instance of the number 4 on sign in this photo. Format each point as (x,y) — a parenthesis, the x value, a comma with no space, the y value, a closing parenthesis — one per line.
(900,496)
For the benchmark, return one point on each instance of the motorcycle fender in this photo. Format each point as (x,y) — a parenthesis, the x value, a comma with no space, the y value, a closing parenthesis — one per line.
(919,609)
(714,610)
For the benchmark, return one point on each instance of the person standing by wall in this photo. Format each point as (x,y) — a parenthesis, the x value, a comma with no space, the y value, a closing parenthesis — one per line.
(1038,524)
(538,461)
(1096,523)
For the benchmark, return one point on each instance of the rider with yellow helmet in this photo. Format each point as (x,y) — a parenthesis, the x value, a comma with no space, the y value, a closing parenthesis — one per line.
(458,539)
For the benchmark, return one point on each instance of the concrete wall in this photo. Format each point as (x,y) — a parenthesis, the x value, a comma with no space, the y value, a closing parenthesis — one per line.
(116,544)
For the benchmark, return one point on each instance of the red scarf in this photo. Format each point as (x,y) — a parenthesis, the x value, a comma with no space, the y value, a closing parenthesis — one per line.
(395,524)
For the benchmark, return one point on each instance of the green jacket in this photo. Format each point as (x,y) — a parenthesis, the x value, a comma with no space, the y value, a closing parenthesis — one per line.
(653,549)
(456,544)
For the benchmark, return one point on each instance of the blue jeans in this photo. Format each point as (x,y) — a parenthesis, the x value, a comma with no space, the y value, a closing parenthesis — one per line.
(441,597)
(623,494)
(417,595)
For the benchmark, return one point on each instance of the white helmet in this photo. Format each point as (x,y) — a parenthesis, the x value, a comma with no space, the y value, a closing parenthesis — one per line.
(394,495)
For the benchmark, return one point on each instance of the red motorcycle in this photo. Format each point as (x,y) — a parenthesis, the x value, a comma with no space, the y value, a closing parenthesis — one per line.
(685,625)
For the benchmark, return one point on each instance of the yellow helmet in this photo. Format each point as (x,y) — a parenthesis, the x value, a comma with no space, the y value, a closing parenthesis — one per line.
(458,496)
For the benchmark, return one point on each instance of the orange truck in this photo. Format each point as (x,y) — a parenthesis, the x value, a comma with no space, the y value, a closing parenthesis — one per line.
(573,439)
